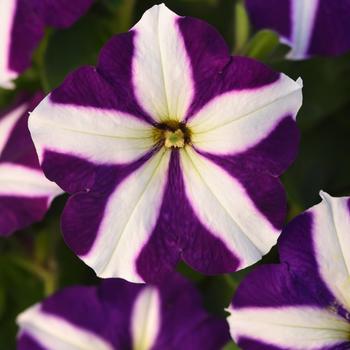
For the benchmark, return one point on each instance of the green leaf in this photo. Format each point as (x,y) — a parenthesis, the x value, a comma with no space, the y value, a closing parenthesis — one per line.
(74,47)
(241,26)
(231,346)
(262,45)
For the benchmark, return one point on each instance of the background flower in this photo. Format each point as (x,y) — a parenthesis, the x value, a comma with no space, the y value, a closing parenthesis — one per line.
(310,27)
(22,27)
(25,193)
(172,150)
(303,303)
(120,315)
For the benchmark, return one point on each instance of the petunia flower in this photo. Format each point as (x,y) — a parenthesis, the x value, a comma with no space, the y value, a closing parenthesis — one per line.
(119,315)
(25,193)
(22,24)
(304,302)
(171,149)
(310,27)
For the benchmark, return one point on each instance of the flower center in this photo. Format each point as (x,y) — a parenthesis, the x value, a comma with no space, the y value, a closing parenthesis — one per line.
(172,134)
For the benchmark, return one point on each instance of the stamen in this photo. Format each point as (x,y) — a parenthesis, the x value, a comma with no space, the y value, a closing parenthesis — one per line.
(174,139)
(172,134)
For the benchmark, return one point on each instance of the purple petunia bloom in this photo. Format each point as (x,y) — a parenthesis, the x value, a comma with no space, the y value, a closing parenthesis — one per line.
(119,315)
(25,193)
(22,24)
(171,149)
(310,27)
(304,302)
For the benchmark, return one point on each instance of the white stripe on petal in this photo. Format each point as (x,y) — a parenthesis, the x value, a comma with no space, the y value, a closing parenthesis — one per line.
(331,239)
(55,333)
(98,135)
(7,14)
(162,72)
(303,20)
(18,180)
(129,219)
(225,209)
(146,319)
(8,122)
(238,120)
(294,327)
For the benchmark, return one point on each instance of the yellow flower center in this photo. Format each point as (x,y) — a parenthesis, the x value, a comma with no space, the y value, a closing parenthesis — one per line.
(174,139)
(172,134)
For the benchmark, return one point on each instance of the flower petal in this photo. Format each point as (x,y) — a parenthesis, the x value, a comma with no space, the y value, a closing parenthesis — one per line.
(127,217)
(332,23)
(224,208)
(7,14)
(178,234)
(25,193)
(275,309)
(72,319)
(161,68)
(115,314)
(53,333)
(297,328)
(214,71)
(98,135)
(145,319)
(235,121)
(324,231)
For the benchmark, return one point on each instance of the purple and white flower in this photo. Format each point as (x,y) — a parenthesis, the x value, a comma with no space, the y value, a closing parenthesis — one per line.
(304,302)
(25,193)
(310,27)
(122,315)
(171,149)
(22,24)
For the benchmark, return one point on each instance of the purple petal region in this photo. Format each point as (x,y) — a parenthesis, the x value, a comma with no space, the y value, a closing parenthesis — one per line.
(302,303)
(121,315)
(171,150)
(22,27)
(313,27)
(25,193)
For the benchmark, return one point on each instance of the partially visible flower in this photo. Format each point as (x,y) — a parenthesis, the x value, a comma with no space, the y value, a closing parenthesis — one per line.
(22,24)
(310,27)
(123,316)
(303,303)
(172,150)
(25,193)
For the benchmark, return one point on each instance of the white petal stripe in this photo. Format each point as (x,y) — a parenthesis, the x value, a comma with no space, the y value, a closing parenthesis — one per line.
(8,122)
(331,238)
(146,319)
(303,21)
(98,135)
(297,328)
(131,214)
(17,180)
(7,14)
(225,209)
(237,120)
(55,333)
(162,73)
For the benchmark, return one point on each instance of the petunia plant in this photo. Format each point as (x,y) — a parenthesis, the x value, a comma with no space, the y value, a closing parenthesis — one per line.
(171,149)
(120,315)
(302,303)
(176,148)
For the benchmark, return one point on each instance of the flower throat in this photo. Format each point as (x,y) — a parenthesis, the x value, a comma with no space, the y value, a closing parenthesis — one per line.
(172,134)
